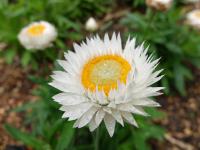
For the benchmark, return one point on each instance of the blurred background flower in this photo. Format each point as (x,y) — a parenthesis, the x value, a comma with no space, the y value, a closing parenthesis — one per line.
(37,35)
(193,18)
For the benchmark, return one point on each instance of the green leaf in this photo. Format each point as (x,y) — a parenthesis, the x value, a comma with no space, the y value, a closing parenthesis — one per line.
(53,128)
(26,57)
(173,47)
(27,139)
(9,55)
(165,84)
(154,113)
(144,133)
(195,62)
(179,79)
(25,107)
(66,136)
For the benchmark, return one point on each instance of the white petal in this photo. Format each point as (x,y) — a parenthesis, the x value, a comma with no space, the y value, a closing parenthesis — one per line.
(61,76)
(85,119)
(117,115)
(76,123)
(129,118)
(67,67)
(132,109)
(92,125)
(107,109)
(69,99)
(128,50)
(144,102)
(101,97)
(99,116)
(142,92)
(65,88)
(110,124)
(75,111)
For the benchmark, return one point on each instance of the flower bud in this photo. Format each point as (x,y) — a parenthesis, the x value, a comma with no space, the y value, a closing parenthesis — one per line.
(91,24)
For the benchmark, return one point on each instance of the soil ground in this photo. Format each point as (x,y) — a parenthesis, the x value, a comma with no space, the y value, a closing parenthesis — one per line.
(15,89)
(182,118)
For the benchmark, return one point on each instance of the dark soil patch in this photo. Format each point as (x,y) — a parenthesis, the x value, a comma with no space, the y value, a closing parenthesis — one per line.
(15,89)
(182,118)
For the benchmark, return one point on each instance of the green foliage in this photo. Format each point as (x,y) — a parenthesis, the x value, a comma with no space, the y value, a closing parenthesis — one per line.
(138,2)
(176,44)
(27,138)
(66,15)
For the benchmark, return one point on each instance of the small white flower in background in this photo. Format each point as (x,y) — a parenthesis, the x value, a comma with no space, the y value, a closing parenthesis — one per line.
(159,4)
(193,18)
(37,35)
(102,81)
(91,24)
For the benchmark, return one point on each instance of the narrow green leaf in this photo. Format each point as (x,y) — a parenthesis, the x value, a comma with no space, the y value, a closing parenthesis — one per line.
(65,136)
(179,79)
(27,139)
(165,83)
(9,55)
(26,57)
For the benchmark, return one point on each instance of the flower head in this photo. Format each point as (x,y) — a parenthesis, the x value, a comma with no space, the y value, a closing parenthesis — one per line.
(193,18)
(37,35)
(159,4)
(103,81)
(91,24)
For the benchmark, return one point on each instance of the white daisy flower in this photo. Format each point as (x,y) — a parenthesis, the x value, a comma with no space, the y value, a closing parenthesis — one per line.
(38,35)
(193,18)
(91,24)
(102,81)
(159,4)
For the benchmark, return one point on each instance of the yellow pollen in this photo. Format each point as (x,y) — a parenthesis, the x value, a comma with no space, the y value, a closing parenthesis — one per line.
(36,30)
(104,72)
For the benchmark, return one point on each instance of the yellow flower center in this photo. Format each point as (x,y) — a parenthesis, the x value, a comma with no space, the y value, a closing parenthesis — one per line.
(104,72)
(36,30)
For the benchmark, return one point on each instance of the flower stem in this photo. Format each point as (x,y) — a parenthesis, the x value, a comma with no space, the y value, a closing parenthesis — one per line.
(96,142)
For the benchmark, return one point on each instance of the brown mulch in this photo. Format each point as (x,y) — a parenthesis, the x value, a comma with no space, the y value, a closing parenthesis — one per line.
(15,89)
(182,120)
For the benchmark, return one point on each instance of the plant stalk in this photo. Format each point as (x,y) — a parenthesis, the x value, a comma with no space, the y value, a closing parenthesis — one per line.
(96,140)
